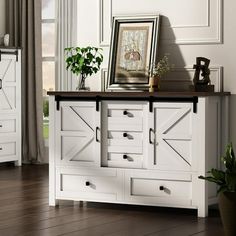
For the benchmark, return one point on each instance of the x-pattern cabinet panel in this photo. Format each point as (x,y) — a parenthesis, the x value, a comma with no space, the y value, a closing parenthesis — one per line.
(78,134)
(135,152)
(10,105)
(172,130)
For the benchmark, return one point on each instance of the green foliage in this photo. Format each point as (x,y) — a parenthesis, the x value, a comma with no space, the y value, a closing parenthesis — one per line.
(160,68)
(226,180)
(85,61)
(45,107)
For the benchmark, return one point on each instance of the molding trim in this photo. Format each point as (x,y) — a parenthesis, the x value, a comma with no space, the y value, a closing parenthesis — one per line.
(218,39)
(216,69)
(103,41)
(104,74)
(207,24)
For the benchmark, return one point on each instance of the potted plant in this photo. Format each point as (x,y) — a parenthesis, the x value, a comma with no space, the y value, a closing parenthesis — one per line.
(226,180)
(83,61)
(156,72)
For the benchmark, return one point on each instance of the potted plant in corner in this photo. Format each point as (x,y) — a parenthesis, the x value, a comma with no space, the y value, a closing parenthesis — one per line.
(84,61)
(226,180)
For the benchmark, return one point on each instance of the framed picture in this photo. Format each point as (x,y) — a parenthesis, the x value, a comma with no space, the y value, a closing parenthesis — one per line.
(133,50)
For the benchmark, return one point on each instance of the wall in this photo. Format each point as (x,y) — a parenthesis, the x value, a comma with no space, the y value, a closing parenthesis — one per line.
(190,28)
(2,19)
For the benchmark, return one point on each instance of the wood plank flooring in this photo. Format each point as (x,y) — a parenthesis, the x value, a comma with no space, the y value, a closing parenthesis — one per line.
(24,210)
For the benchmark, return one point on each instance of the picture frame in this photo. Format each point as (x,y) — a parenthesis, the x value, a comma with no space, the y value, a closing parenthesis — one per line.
(133,49)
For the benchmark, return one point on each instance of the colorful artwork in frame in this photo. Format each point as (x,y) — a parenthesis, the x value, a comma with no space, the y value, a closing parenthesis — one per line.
(133,49)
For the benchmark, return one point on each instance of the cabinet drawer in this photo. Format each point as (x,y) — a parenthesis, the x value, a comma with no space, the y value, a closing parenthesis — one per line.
(159,190)
(89,184)
(126,117)
(124,138)
(126,142)
(7,148)
(7,126)
(124,160)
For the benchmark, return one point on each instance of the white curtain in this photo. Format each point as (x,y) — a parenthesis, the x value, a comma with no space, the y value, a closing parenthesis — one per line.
(66,37)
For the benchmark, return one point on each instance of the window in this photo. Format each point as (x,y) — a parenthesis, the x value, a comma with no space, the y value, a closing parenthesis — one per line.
(48,55)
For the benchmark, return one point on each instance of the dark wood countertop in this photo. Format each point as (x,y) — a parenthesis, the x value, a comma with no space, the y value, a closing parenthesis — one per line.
(9,47)
(136,94)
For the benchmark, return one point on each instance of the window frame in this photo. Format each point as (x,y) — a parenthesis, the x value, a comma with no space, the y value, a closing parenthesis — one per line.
(49,58)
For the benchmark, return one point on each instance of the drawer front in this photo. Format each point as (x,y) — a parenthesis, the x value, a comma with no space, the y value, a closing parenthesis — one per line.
(161,189)
(125,117)
(124,160)
(7,126)
(7,148)
(118,124)
(89,184)
(124,138)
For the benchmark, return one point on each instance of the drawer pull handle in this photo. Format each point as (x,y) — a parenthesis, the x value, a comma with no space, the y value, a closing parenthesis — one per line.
(125,113)
(87,183)
(162,188)
(0,149)
(97,140)
(0,126)
(125,135)
(125,157)
(150,136)
(0,84)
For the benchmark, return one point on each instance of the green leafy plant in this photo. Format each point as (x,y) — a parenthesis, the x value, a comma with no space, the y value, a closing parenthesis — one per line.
(83,61)
(226,180)
(160,68)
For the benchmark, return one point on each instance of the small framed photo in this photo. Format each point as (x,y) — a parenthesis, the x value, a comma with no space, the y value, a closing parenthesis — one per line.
(133,50)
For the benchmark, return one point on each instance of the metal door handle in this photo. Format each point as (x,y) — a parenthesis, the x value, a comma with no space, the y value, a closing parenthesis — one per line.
(97,129)
(150,136)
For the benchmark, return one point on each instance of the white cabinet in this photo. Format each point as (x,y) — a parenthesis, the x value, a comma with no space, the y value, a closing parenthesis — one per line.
(10,105)
(134,152)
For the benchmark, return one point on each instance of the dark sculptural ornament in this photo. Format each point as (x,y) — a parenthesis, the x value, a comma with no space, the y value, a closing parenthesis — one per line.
(201,80)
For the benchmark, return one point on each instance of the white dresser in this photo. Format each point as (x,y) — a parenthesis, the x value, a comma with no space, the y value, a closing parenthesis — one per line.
(136,148)
(10,105)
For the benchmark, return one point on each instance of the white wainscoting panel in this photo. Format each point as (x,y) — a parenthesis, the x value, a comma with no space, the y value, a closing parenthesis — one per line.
(183,21)
(180,78)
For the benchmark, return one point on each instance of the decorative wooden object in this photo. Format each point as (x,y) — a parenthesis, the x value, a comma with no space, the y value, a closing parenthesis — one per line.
(202,84)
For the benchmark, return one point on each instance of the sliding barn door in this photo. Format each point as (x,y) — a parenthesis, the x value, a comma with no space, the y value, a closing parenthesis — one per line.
(78,126)
(173,136)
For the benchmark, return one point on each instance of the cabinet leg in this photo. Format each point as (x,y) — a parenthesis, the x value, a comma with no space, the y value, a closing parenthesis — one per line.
(202,212)
(17,163)
(53,202)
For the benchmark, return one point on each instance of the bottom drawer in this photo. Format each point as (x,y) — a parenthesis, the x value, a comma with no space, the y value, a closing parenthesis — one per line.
(89,184)
(7,148)
(158,189)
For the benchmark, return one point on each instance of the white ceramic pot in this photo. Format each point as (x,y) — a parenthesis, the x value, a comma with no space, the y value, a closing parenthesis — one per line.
(6,40)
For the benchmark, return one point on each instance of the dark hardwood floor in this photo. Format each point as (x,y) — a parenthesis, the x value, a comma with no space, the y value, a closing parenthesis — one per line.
(24,210)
